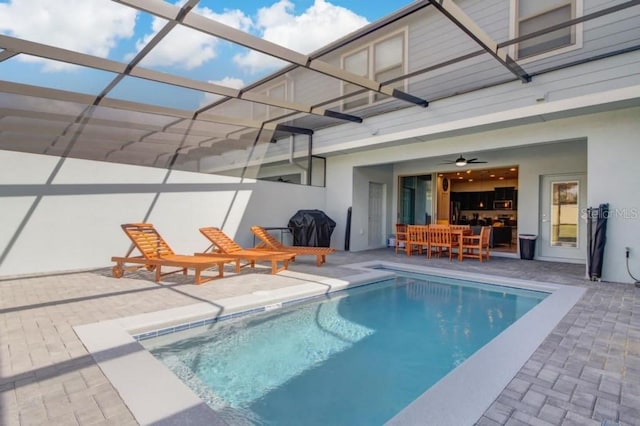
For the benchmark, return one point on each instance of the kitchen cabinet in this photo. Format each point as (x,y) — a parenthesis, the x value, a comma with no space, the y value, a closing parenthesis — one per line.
(504,193)
(471,200)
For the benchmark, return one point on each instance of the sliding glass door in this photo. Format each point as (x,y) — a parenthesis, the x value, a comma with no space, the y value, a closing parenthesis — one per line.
(415,203)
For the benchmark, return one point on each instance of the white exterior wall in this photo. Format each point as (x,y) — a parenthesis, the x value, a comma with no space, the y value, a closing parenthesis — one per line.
(531,147)
(60,215)
(360,214)
(614,150)
(569,89)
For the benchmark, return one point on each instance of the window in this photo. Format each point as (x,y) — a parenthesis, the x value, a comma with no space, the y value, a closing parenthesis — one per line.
(357,63)
(278,92)
(564,214)
(381,61)
(536,15)
(263,112)
(388,62)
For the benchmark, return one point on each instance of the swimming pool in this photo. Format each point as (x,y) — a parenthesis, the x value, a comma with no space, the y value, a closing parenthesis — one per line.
(357,357)
(155,395)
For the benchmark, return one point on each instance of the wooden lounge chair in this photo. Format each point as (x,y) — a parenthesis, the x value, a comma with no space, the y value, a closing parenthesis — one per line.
(272,243)
(227,247)
(156,253)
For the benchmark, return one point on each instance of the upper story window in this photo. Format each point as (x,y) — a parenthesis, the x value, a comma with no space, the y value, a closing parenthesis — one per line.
(264,112)
(536,15)
(381,60)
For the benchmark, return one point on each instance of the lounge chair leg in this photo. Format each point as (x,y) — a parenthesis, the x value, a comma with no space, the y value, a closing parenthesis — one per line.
(158,273)
(118,270)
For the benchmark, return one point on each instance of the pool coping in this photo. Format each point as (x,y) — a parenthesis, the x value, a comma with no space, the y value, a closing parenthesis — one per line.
(155,395)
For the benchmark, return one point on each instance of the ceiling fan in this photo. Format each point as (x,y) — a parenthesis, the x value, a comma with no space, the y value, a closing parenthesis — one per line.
(461,161)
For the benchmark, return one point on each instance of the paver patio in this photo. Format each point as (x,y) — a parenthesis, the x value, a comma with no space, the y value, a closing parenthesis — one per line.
(587,371)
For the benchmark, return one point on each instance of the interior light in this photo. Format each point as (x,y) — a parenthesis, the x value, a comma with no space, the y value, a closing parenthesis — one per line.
(470,180)
(501,178)
(468,171)
(461,162)
(492,175)
(513,169)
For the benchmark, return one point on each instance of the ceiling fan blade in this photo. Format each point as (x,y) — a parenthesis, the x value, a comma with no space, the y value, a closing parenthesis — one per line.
(448,162)
(472,160)
(475,162)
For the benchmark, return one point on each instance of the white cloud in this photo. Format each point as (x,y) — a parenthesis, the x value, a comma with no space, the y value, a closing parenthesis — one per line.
(187,48)
(87,26)
(232,82)
(319,25)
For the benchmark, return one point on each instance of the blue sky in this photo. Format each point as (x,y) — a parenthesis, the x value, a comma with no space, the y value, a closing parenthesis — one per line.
(110,30)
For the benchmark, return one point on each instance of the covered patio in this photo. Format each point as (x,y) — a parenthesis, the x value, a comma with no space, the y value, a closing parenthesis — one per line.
(127,139)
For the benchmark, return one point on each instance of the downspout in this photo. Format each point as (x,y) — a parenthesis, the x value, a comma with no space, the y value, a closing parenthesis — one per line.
(291,146)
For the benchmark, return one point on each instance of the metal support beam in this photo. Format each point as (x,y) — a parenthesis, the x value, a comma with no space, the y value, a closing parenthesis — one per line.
(571,22)
(342,116)
(217,29)
(7,54)
(473,30)
(66,96)
(294,129)
(58,54)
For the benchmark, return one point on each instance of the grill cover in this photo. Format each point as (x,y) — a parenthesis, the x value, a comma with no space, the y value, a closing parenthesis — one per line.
(311,228)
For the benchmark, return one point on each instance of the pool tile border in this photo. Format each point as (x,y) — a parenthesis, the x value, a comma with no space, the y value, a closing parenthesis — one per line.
(196,324)
(210,321)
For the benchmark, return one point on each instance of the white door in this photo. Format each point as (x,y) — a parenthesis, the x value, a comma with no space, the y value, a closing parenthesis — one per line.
(563,230)
(376,214)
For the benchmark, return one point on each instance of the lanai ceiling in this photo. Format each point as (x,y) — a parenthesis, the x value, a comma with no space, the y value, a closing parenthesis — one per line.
(129,107)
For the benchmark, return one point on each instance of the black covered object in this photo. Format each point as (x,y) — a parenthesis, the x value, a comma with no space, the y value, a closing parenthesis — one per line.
(311,228)
(527,246)
(347,232)
(597,239)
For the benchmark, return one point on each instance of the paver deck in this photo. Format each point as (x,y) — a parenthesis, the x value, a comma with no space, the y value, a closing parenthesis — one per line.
(587,371)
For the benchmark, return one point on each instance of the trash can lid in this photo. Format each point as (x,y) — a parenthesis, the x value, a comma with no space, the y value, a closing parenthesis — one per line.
(528,236)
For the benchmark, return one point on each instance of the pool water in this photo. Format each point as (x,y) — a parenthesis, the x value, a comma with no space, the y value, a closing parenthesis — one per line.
(355,358)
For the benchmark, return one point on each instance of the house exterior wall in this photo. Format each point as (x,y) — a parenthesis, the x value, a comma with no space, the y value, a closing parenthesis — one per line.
(60,215)
(618,72)
(613,178)
(565,145)
(453,90)
(362,176)
(433,39)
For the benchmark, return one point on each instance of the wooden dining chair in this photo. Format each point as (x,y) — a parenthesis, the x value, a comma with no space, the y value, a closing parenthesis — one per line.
(477,246)
(401,237)
(440,240)
(417,238)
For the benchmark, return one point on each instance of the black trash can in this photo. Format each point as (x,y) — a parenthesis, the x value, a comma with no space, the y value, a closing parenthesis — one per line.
(527,246)
(311,228)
